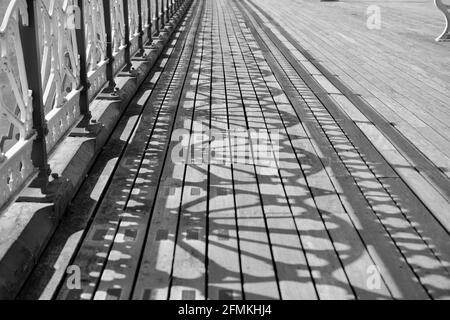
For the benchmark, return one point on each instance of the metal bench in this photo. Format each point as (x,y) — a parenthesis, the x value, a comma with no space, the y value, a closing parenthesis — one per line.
(445,8)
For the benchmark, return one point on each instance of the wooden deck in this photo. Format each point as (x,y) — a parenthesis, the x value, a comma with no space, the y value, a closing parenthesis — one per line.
(399,69)
(334,202)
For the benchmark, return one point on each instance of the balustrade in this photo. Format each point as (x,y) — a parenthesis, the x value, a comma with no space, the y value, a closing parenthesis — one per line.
(145,22)
(45,73)
(118,34)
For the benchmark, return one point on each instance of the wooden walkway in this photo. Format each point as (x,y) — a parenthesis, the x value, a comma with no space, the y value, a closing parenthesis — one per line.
(311,201)
(398,69)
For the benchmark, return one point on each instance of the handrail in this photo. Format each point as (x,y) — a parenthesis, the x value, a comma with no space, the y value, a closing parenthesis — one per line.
(45,74)
(135,31)
(60,68)
(95,34)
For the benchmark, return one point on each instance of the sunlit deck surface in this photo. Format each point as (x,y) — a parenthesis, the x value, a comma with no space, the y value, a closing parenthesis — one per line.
(349,201)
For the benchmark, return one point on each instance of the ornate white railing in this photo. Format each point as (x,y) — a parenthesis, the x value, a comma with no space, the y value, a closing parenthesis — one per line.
(95,35)
(118,34)
(60,67)
(47,78)
(15,105)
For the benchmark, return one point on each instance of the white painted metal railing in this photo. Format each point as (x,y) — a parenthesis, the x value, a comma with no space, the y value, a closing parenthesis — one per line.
(47,78)
(95,40)
(15,105)
(133,22)
(60,68)
(145,20)
(118,34)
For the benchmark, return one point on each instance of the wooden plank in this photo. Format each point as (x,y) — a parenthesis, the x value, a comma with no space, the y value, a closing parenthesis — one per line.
(189,269)
(224,272)
(429,173)
(371,42)
(303,219)
(155,272)
(119,273)
(97,245)
(45,281)
(430,229)
(303,116)
(433,199)
(395,219)
(294,278)
(95,248)
(326,203)
(339,63)
(258,274)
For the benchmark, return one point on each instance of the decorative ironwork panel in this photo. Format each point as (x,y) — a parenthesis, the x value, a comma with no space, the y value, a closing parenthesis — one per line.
(16,127)
(118,34)
(60,69)
(133,20)
(96,60)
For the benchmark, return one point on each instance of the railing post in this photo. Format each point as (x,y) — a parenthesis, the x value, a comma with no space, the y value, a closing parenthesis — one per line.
(156,18)
(161,16)
(168,9)
(109,45)
(126,13)
(30,39)
(141,25)
(150,21)
(81,43)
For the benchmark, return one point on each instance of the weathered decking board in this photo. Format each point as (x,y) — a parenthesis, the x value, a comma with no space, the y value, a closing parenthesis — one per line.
(58,255)
(367,183)
(157,266)
(331,202)
(258,273)
(224,273)
(189,265)
(398,69)
(287,250)
(97,247)
(310,208)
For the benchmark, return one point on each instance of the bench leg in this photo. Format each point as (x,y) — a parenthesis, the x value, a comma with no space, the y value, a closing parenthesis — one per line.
(445,36)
